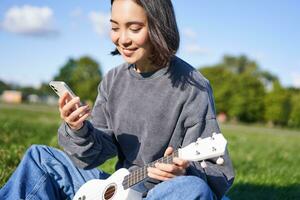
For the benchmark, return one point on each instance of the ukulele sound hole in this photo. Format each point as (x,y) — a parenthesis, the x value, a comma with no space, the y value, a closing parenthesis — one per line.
(109,192)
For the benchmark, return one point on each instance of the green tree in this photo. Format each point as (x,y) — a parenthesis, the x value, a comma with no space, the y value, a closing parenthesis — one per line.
(294,119)
(66,71)
(221,80)
(247,102)
(26,91)
(238,87)
(45,90)
(3,86)
(240,64)
(277,105)
(82,75)
(85,78)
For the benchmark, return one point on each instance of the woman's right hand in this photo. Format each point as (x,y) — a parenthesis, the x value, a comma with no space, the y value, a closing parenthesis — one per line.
(71,111)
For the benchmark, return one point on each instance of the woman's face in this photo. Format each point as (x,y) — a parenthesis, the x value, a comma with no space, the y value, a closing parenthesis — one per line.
(129,31)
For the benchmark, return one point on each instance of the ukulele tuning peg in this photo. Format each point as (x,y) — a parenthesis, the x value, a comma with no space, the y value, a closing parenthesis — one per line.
(213,135)
(203,164)
(220,161)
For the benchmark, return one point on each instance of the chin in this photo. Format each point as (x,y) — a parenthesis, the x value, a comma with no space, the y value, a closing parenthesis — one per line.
(132,59)
(129,60)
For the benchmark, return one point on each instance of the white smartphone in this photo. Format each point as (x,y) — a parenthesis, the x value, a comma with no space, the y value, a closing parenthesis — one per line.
(60,88)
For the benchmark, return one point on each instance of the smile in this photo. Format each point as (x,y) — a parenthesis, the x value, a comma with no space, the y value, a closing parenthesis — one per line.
(128,52)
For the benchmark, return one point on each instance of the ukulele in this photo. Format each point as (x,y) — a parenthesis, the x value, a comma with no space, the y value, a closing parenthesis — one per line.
(119,185)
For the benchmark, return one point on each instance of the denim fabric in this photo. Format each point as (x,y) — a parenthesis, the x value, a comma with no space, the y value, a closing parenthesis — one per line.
(181,188)
(48,173)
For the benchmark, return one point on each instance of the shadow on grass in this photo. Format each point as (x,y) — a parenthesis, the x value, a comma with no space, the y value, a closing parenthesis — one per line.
(250,191)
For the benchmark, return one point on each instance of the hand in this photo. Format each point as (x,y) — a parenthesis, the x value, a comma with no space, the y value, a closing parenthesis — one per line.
(71,111)
(164,172)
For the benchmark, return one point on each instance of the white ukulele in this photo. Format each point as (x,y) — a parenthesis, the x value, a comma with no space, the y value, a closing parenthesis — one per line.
(118,185)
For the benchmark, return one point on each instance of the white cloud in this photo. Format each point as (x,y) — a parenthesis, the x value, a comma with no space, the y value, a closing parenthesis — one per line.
(100,22)
(191,46)
(189,33)
(29,20)
(194,49)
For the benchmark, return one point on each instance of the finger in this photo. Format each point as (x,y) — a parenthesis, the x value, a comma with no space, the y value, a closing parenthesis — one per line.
(158,174)
(168,151)
(181,162)
(170,168)
(63,99)
(157,177)
(83,118)
(70,106)
(79,123)
(78,113)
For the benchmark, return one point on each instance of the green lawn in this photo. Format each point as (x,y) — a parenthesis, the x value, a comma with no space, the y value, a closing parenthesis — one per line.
(265,160)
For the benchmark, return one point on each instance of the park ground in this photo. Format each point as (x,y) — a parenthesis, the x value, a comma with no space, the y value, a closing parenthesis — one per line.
(266,160)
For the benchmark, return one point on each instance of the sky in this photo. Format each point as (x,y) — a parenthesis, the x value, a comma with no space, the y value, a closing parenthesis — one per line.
(37,37)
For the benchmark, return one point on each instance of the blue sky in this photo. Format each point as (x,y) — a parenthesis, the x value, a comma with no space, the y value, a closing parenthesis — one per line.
(38,36)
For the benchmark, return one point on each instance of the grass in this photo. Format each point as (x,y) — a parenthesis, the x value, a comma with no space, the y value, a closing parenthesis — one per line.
(266,160)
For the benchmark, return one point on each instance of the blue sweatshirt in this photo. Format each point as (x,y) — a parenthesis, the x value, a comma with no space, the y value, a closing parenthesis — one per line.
(137,117)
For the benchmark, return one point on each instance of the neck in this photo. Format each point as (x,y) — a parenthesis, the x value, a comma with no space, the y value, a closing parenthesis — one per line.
(140,174)
(145,66)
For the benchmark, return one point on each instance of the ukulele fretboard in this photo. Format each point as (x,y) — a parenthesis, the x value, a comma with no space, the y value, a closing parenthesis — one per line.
(140,174)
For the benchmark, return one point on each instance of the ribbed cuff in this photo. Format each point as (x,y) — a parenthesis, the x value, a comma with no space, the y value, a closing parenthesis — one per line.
(82,132)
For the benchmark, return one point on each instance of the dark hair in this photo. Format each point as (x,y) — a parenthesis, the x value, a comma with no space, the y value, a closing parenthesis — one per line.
(163,30)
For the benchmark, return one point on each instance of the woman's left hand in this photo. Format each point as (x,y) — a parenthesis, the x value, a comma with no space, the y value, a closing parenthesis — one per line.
(164,172)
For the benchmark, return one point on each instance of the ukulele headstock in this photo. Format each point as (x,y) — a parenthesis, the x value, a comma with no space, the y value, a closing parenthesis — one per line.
(206,148)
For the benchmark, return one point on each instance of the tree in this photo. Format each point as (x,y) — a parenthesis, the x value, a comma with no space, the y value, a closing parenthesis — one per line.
(26,91)
(3,86)
(277,105)
(294,119)
(221,81)
(238,89)
(66,71)
(85,78)
(45,90)
(247,102)
(82,75)
(240,64)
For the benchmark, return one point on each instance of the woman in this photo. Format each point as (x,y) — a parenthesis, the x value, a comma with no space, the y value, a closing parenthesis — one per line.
(145,108)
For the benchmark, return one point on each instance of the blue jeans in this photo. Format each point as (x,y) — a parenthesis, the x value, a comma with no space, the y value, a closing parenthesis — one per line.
(48,173)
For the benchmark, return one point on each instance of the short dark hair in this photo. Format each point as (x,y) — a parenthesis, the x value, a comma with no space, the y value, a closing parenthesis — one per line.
(163,30)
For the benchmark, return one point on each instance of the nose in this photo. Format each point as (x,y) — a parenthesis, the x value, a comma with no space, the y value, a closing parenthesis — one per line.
(124,39)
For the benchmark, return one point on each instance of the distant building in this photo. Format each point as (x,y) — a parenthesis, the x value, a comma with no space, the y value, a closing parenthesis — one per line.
(222,117)
(50,100)
(12,96)
(33,98)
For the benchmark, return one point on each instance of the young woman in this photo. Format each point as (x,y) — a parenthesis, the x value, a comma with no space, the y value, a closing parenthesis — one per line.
(147,107)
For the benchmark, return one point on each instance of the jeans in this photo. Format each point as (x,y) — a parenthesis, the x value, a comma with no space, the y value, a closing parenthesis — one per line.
(48,173)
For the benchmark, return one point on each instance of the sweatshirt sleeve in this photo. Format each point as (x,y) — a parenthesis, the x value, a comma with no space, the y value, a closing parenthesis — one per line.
(218,177)
(94,143)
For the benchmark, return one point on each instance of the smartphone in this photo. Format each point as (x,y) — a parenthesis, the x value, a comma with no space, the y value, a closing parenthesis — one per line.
(60,88)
